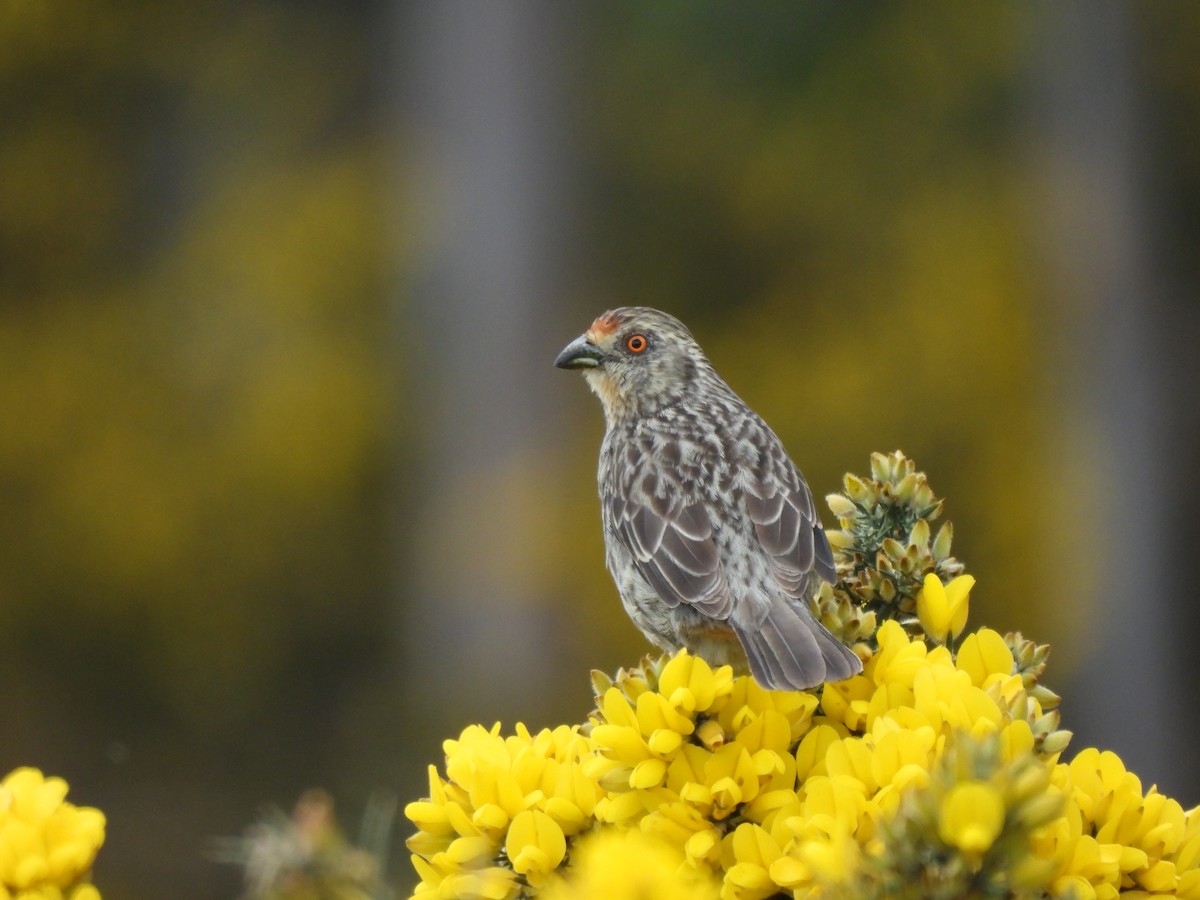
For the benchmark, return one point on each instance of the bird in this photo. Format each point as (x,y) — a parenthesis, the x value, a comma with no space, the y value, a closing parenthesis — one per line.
(710,530)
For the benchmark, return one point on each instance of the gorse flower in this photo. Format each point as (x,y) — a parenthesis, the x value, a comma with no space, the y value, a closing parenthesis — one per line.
(632,864)
(47,845)
(500,820)
(971,816)
(934,773)
(1114,836)
(942,608)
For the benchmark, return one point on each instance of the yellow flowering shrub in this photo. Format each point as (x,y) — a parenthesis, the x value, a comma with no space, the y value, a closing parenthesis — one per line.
(47,845)
(935,773)
(499,821)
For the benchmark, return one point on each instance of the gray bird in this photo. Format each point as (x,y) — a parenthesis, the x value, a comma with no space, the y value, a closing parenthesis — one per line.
(709,530)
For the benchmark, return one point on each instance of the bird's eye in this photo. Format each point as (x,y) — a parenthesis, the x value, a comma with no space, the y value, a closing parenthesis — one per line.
(636,343)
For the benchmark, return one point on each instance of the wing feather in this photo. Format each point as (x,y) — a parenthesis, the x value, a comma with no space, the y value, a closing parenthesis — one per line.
(785,522)
(671,541)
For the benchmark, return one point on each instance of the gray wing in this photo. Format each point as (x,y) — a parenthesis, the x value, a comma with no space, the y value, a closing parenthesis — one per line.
(671,539)
(788,648)
(785,520)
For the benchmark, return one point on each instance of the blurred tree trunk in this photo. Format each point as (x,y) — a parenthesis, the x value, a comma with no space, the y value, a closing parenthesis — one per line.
(484,102)
(1099,237)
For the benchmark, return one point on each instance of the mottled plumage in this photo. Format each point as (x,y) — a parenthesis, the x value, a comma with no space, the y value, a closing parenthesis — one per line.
(710,531)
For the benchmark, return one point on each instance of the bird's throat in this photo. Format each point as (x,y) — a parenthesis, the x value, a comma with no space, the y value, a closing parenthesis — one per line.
(616,405)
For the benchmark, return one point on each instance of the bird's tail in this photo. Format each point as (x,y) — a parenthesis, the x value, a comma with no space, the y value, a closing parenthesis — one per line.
(791,651)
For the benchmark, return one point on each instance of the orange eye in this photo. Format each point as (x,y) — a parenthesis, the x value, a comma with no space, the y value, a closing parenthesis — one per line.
(636,343)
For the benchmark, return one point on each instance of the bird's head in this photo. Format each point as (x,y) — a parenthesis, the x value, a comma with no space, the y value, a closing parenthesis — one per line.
(636,359)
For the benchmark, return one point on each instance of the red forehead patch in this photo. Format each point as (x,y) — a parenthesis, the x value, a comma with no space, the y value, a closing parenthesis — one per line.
(604,326)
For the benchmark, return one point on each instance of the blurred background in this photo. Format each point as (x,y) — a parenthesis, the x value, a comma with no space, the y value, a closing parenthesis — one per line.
(291,490)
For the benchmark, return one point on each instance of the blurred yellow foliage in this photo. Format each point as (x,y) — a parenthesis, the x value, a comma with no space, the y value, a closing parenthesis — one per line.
(190,341)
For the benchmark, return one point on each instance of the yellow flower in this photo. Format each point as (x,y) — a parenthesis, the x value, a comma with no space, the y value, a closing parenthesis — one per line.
(748,855)
(899,658)
(683,825)
(985,657)
(689,683)
(902,758)
(489,883)
(972,816)
(524,792)
(1112,836)
(941,608)
(46,844)
(629,865)
(746,700)
(535,845)
(831,861)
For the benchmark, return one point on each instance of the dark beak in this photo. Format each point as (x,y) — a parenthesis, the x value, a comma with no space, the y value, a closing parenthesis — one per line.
(579,354)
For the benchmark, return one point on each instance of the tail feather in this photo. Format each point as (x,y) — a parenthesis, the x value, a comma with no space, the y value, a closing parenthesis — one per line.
(790,651)
(782,660)
(840,661)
